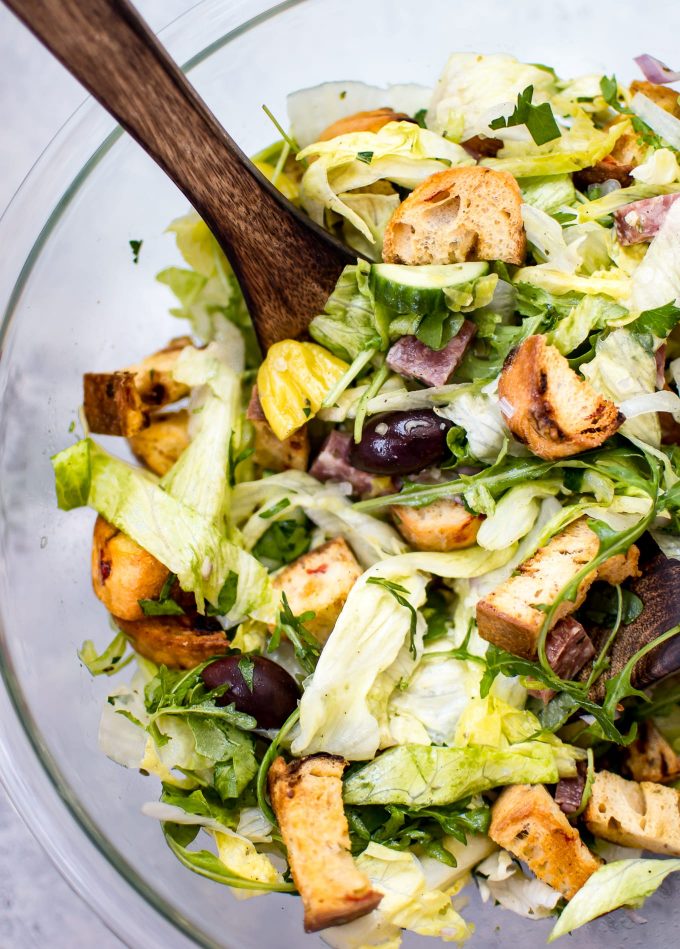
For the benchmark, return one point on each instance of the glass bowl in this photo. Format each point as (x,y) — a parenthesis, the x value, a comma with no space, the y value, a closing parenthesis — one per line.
(74,302)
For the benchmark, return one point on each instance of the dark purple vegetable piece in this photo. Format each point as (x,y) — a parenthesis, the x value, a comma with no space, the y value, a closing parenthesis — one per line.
(274,693)
(658,589)
(397,443)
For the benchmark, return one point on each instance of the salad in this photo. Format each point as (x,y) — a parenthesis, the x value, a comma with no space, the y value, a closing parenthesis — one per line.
(397,601)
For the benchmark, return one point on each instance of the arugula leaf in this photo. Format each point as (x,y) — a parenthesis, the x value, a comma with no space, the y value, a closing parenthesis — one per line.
(203,802)
(110,660)
(161,607)
(601,606)
(400,827)
(656,323)
(457,444)
(283,542)
(208,865)
(609,88)
(226,598)
(400,593)
(366,157)
(539,119)
(265,764)
(437,613)
(306,647)
(439,327)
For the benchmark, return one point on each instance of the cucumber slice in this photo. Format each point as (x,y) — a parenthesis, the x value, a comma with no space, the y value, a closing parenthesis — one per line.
(420,289)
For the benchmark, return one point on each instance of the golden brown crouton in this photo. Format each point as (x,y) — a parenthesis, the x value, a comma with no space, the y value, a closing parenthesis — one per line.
(651,758)
(320,581)
(112,404)
(509,616)
(271,452)
(153,375)
(620,567)
(278,454)
(307,799)
(178,642)
(371,121)
(160,445)
(123,572)
(661,95)
(642,815)
(548,407)
(526,821)
(443,525)
(118,403)
(468,213)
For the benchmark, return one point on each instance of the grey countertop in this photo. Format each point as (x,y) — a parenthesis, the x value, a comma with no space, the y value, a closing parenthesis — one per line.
(37,908)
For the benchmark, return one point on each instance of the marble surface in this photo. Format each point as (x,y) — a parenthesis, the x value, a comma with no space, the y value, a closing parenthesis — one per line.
(37,908)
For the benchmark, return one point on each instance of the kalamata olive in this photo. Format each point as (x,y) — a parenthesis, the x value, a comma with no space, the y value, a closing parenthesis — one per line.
(401,442)
(274,693)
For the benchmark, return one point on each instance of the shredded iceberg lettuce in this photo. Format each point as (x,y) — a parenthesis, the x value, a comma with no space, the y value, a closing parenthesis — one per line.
(622,883)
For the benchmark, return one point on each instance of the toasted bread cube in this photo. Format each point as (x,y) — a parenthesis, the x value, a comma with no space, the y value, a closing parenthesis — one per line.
(320,581)
(123,573)
(307,799)
(271,452)
(153,375)
(278,454)
(112,404)
(509,617)
(548,407)
(651,758)
(526,821)
(645,815)
(160,445)
(443,525)
(371,121)
(178,642)
(660,95)
(468,213)
(620,567)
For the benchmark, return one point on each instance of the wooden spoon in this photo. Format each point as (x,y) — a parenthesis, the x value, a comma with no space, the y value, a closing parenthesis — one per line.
(286,265)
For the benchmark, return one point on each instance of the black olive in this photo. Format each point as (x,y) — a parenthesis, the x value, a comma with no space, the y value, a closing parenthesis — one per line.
(274,693)
(397,443)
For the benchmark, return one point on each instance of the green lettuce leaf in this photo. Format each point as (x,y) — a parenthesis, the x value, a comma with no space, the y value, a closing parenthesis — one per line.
(400,152)
(189,544)
(421,776)
(589,314)
(606,205)
(622,883)
(347,325)
(549,193)
(209,295)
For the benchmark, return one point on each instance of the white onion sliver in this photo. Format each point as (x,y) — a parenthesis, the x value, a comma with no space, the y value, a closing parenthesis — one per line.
(663,123)
(654,70)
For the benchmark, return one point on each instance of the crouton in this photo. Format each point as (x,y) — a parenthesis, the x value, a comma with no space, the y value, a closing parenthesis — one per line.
(160,445)
(112,404)
(153,375)
(118,403)
(661,95)
(509,616)
(307,799)
(178,642)
(651,758)
(468,213)
(123,572)
(645,815)
(548,407)
(271,452)
(278,454)
(320,581)
(371,121)
(443,525)
(620,567)
(526,821)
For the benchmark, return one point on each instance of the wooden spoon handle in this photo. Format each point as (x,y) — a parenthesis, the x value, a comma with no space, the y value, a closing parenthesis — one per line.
(113,53)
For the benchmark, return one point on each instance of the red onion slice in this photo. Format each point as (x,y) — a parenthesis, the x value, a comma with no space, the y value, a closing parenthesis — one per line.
(656,71)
